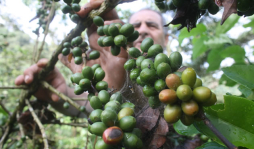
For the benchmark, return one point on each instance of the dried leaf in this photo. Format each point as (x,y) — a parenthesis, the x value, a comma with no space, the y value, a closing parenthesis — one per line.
(187,16)
(69,57)
(159,137)
(180,16)
(194,143)
(230,6)
(148,119)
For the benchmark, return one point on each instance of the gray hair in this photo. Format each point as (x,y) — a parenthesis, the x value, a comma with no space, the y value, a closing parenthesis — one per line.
(163,20)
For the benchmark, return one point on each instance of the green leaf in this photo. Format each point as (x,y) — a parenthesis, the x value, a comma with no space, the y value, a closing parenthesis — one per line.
(242,74)
(3,112)
(228,24)
(181,129)
(214,59)
(216,41)
(211,145)
(251,96)
(219,106)
(201,28)
(199,47)
(235,121)
(236,52)
(228,81)
(250,24)
(245,91)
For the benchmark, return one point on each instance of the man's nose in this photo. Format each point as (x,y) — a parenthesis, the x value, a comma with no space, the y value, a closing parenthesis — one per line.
(143,30)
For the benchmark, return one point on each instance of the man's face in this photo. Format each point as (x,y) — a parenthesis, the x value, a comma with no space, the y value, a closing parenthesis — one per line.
(148,24)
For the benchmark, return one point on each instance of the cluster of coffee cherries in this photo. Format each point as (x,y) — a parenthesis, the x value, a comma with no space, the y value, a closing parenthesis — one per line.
(209,5)
(150,68)
(43,15)
(115,35)
(113,121)
(185,96)
(182,92)
(71,7)
(245,7)
(77,47)
(111,118)
(89,79)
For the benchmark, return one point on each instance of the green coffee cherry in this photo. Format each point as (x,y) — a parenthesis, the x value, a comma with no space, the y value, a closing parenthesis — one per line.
(115,50)
(88,72)
(66,9)
(130,64)
(95,102)
(100,31)
(66,105)
(120,40)
(133,36)
(94,54)
(146,44)
(75,18)
(98,21)
(175,60)
(95,115)
(104,96)
(65,51)
(154,50)
(127,30)
(75,7)
(99,74)
(78,60)
(113,30)
(134,52)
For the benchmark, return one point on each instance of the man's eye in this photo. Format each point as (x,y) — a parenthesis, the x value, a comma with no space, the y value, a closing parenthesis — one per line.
(152,26)
(136,26)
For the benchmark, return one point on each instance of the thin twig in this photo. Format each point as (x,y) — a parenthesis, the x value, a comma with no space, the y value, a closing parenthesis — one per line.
(6,133)
(83,125)
(65,98)
(20,126)
(142,110)
(87,136)
(36,119)
(35,49)
(79,99)
(248,60)
(21,130)
(224,140)
(34,133)
(94,90)
(95,141)
(4,108)
(174,36)
(14,87)
(51,15)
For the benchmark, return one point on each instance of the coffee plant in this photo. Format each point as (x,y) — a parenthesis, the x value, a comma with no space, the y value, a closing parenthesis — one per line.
(174,90)
(188,12)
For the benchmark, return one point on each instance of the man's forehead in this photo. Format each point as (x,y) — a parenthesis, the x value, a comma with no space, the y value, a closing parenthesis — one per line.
(147,15)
